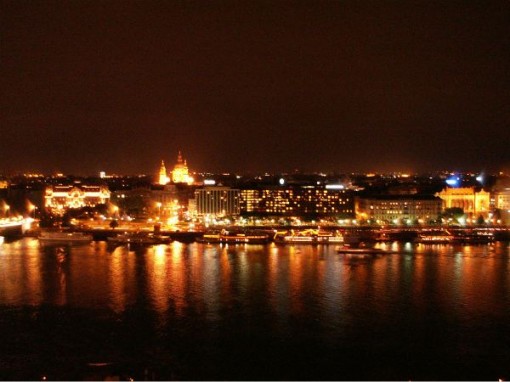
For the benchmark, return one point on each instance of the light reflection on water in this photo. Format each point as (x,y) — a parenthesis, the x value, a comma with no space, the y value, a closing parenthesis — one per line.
(288,279)
(177,273)
(298,293)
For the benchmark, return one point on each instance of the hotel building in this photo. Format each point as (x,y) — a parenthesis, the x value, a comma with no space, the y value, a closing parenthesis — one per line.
(297,201)
(217,201)
(398,208)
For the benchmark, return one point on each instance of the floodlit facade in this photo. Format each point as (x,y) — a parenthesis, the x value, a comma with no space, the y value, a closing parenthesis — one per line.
(180,173)
(473,203)
(60,198)
(502,200)
(163,177)
(502,204)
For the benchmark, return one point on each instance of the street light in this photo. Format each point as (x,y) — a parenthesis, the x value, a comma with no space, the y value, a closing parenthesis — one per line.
(32,208)
(6,209)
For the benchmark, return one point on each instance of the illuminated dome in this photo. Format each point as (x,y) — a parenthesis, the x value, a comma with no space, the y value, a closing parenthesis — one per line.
(180,173)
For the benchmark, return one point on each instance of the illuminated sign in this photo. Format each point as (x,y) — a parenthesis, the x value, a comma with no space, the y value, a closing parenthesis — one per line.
(335,186)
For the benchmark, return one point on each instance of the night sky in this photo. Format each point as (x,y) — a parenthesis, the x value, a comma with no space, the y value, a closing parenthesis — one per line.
(345,86)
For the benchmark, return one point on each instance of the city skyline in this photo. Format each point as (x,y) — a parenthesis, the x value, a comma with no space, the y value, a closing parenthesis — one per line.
(254,87)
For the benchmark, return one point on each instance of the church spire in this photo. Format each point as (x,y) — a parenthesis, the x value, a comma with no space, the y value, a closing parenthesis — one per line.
(163,179)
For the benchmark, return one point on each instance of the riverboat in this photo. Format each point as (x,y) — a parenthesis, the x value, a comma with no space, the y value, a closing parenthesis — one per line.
(362,250)
(309,237)
(438,236)
(11,227)
(236,237)
(472,236)
(48,237)
(138,239)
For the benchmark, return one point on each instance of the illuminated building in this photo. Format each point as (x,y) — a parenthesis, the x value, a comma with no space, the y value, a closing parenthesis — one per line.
(217,201)
(60,198)
(502,200)
(473,203)
(179,174)
(398,208)
(297,201)
(501,194)
(180,171)
(163,178)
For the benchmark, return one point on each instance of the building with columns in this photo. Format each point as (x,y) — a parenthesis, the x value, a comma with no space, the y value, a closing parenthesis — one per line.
(473,203)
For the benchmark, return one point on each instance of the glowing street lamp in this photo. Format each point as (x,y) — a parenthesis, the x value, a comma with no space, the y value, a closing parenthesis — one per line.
(32,208)
(6,209)
(158,204)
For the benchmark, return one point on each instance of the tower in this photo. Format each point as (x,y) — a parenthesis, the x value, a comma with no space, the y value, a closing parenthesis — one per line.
(163,178)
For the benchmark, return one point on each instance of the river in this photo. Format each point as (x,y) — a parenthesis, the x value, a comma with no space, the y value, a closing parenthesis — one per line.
(254,312)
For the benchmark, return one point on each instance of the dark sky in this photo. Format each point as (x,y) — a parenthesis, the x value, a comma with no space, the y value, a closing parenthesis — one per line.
(254,86)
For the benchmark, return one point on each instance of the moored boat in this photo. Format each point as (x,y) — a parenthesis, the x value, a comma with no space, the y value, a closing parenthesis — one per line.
(362,250)
(435,237)
(234,237)
(11,227)
(210,237)
(138,239)
(473,236)
(47,237)
(309,237)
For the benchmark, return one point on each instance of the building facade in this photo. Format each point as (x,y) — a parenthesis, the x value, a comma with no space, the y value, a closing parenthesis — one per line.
(502,200)
(398,209)
(474,203)
(217,201)
(297,201)
(58,199)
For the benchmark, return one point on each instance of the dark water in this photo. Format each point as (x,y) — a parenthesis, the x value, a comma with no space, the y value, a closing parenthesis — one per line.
(254,312)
